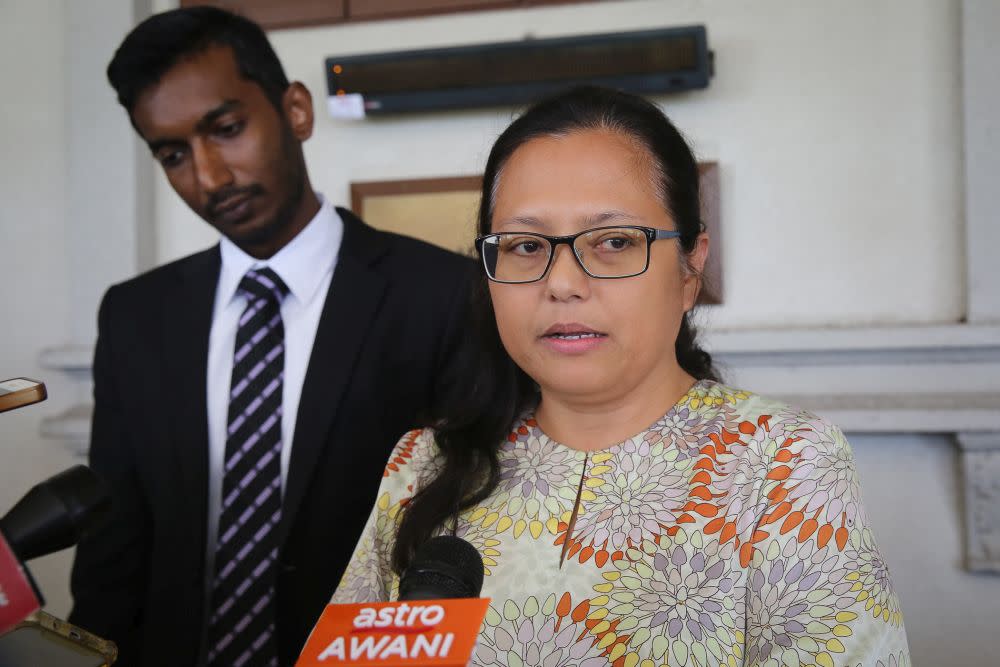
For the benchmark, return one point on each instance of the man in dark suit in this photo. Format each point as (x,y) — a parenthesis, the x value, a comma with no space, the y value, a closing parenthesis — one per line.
(247,396)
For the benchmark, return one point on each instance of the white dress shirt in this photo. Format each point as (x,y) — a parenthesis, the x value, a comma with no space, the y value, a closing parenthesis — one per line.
(306,266)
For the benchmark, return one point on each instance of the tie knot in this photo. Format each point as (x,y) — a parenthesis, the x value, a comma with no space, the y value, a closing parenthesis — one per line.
(263,283)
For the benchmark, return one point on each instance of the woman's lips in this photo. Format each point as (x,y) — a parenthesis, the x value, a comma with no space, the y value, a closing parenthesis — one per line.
(572,338)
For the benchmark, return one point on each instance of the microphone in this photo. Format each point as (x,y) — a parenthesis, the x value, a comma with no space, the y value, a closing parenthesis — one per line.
(443,568)
(56,513)
(436,620)
(52,516)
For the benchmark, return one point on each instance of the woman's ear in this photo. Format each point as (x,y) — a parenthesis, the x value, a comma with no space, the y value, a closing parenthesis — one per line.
(695,266)
(297,104)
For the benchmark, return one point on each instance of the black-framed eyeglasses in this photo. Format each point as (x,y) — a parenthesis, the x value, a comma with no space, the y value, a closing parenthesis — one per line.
(602,252)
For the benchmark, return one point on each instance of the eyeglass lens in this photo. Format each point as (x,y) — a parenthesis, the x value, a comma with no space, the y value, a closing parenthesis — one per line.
(609,252)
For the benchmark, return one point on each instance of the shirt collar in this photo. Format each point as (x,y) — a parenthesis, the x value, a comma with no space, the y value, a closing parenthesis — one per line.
(302,264)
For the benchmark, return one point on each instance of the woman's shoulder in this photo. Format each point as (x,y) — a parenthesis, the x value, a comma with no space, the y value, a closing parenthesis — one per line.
(415,457)
(759,416)
(774,470)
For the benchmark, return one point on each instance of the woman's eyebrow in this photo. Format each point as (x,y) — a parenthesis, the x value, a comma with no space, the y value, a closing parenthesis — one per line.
(520,220)
(593,220)
(598,219)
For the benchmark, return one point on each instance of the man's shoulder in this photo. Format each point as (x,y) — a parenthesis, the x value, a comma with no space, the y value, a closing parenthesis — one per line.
(413,245)
(431,260)
(420,259)
(157,281)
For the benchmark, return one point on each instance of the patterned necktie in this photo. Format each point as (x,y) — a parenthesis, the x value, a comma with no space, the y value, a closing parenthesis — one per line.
(242,622)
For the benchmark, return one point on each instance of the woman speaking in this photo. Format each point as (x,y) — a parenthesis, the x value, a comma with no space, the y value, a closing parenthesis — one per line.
(630,509)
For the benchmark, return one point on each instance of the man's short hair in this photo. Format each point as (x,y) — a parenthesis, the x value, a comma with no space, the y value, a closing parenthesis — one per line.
(163,40)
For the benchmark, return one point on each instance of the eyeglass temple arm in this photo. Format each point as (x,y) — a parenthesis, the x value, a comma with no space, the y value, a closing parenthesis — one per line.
(665,234)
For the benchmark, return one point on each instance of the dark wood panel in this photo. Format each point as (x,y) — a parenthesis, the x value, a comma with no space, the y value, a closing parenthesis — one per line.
(380,9)
(272,14)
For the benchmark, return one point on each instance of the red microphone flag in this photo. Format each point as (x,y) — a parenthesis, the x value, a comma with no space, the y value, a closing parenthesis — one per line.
(18,599)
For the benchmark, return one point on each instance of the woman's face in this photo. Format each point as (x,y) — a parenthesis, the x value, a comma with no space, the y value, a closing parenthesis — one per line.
(587,339)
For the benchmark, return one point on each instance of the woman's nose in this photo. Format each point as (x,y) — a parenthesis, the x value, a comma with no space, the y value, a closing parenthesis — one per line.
(566,278)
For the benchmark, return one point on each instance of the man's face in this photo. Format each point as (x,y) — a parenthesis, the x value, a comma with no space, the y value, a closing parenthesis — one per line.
(227,151)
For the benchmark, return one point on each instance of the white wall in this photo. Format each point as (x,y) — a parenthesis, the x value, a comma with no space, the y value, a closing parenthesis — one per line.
(34,299)
(911,490)
(110,182)
(837,126)
(72,190)
(981,98)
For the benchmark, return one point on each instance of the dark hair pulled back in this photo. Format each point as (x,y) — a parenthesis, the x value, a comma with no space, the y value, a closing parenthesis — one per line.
(499,390)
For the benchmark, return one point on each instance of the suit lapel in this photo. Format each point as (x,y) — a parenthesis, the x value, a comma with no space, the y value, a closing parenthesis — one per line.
(188,322)
(353,299)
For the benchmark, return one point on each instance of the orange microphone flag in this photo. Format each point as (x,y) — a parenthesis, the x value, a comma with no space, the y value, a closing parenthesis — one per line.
(431,633)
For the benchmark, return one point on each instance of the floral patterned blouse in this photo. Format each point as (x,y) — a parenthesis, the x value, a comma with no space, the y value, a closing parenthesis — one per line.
(731,532)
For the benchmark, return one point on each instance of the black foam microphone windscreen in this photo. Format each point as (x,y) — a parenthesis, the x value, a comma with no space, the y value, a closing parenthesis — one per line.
(443,567)
(56,513)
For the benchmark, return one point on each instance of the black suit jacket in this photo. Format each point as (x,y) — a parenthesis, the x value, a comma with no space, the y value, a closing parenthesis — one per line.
(384,358)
